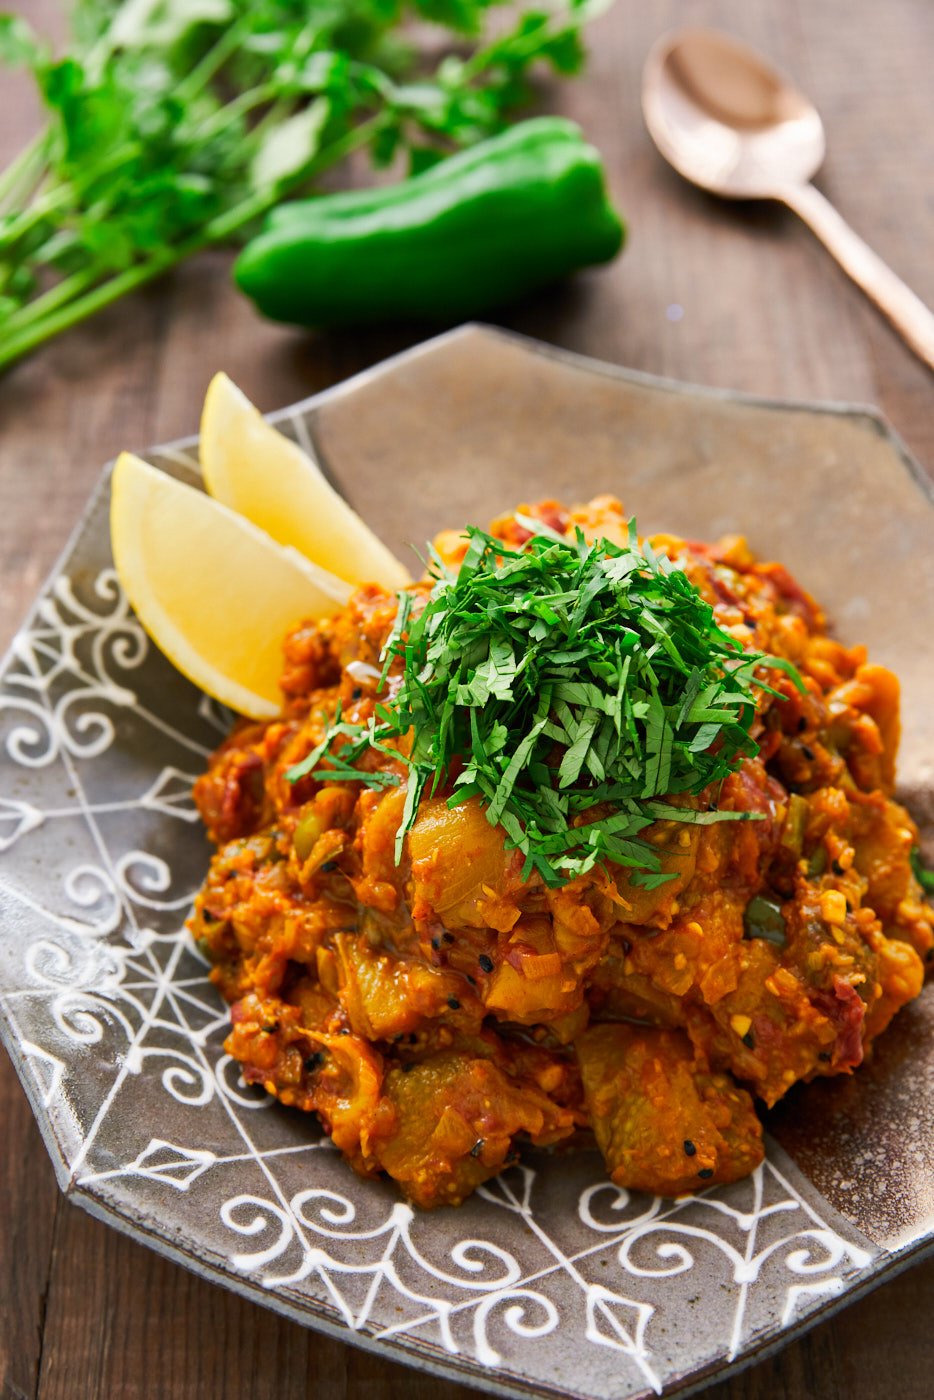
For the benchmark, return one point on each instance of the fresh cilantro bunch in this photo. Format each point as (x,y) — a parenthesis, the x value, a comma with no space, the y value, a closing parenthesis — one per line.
(175,124)
(570,687)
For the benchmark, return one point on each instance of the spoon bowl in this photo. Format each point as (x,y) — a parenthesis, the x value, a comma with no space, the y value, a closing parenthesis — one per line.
(726,120)
(731,123)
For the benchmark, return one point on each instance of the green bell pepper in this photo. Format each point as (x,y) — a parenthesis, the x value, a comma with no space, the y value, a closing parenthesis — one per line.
(484,227)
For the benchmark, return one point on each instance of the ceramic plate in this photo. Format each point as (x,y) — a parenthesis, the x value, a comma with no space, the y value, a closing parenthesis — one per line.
(550,1280)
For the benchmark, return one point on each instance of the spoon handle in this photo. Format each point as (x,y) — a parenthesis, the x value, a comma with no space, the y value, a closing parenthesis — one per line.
(907,312)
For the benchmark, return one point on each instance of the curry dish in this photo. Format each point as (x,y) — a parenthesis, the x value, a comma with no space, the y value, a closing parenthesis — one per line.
(441,1010)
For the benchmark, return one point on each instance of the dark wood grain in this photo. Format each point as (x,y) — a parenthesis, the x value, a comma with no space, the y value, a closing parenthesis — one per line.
(84,1313)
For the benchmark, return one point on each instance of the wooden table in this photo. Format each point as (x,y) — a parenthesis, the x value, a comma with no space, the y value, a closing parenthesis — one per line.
(738,297)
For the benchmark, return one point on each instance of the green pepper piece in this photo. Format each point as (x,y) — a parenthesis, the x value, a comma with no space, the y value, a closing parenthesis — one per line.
(486,226)
(818,863)
(922,874)
(764,919)
(792,837)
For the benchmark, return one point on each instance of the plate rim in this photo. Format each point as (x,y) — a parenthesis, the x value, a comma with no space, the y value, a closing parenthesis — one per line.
(466,1371)
(606,369)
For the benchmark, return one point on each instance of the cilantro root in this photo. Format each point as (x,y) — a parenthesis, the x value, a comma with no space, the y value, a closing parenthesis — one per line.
(174,125)
(578,685)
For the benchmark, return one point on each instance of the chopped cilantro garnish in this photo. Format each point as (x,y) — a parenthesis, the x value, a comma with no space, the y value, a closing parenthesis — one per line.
(575,684)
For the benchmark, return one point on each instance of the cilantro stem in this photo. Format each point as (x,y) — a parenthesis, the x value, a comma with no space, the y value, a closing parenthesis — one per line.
(550,25)
(62,292)
(213,61)
(279,110)
(58,198)
(23,223)
(34,330)
(44,327)
(239,107)
(28,166)
(226,224)
(482,59)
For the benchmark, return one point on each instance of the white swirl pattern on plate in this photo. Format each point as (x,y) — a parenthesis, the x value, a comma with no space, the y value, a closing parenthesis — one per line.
(111,1009)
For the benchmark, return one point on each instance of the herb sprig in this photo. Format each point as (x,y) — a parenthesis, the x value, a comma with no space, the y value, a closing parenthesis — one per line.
(570,687)
(174,125)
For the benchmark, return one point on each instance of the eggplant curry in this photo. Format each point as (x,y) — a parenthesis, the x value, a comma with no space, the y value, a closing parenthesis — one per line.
(581,838)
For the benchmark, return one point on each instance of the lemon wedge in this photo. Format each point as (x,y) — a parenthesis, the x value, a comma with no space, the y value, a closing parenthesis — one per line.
(214,593)
(249,466)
